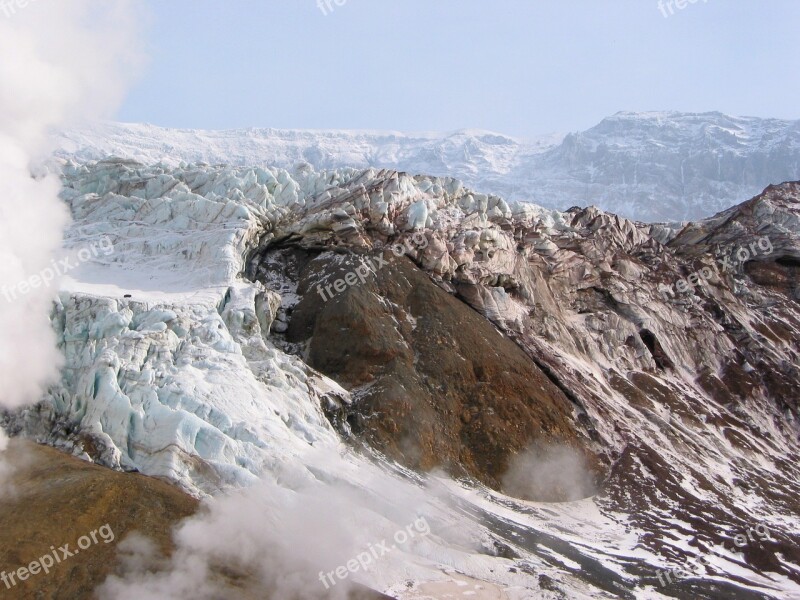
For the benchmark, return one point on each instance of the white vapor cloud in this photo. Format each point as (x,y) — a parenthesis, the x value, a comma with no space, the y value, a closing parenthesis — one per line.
(63,62)
(6,468)
(278,536)
(279,539)
(553,473)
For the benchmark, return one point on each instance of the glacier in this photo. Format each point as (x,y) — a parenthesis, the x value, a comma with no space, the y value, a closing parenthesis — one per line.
(646,166)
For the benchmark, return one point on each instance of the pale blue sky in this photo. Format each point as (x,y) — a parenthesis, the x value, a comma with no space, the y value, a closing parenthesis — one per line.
(520,67)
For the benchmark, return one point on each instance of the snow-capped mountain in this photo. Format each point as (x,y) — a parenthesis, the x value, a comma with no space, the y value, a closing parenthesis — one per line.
(645,166)
(670,166)
(265,336)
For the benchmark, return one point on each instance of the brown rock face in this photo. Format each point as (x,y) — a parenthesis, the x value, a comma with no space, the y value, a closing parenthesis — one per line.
(58,499)
(435,384)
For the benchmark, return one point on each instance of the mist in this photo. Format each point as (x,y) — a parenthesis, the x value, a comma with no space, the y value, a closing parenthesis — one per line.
(555,473)
(282,535)
(63,62)
(6,468)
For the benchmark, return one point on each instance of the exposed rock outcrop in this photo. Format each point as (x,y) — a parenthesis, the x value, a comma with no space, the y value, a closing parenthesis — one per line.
(57,499)
(53,501)
(433,383)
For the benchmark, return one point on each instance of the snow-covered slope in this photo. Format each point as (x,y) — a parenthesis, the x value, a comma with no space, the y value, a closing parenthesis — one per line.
(670,166)
(645,166)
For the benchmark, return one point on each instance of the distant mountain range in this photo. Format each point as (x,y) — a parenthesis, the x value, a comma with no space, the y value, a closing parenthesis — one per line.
(656,166)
